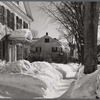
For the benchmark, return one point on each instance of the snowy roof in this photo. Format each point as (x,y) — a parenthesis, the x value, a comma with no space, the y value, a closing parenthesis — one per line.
(21,34)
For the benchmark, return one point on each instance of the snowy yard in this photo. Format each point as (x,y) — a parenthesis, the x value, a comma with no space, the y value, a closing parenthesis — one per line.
(23,79)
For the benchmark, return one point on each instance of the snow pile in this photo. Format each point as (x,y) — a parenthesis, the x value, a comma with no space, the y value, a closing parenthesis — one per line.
(44,68)
(47,74)
(22,83)
(21,66)
(21,72)
(37,79)
(68,71)
(86,86)
(21,33)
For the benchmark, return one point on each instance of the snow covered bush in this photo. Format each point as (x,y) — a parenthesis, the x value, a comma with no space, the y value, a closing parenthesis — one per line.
(2,64)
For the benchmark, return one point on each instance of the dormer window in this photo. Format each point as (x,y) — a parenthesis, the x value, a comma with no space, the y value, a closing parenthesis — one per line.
(46,40)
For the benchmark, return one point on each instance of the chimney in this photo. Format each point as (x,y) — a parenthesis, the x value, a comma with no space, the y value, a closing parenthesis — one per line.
(46,33)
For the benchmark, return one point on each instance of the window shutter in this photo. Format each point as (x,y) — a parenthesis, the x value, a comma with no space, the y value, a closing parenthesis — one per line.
(36,49)
(26,25)
(52,49)
(3,15)
(2,9)
(40,49)
(1,50)
(13,21)
(8,17)
(0,13)
(56,49)
(21,23)
(16,22)
(10,20)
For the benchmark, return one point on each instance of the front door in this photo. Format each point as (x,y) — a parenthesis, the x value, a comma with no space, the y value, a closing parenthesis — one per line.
(11,53)
(19,52)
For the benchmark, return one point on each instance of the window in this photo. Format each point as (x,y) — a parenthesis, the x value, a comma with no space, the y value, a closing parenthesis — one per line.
(61,50)
(25,25)
(54,49)
(46,40)
(8,17)
(2,14)
(18,23)
(38,49)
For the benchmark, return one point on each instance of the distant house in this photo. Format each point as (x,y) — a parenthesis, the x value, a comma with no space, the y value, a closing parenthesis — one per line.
(49,47)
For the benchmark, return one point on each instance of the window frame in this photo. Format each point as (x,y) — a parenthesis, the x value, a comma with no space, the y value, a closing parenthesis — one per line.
(46,40)
(38,49)
(54,49)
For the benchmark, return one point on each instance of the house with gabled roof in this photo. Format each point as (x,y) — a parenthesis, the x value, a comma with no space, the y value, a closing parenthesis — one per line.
(14,15)
(49,47)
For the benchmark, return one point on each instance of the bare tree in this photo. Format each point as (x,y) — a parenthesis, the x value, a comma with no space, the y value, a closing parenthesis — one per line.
(81,20)
(70,16)
(34,33)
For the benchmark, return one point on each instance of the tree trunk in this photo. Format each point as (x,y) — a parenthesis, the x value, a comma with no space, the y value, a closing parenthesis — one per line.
(90,36)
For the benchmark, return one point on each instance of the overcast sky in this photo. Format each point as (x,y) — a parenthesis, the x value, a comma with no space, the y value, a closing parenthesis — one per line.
(42,21)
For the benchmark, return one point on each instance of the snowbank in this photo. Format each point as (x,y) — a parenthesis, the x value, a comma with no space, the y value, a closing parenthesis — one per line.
(86,86)
(45,68)
(68,70)
(42,79)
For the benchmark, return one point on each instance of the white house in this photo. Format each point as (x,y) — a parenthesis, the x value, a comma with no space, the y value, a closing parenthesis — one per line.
(14,15)
(47,46)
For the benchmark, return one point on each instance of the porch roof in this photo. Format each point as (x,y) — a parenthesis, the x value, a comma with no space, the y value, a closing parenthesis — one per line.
(22,35)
